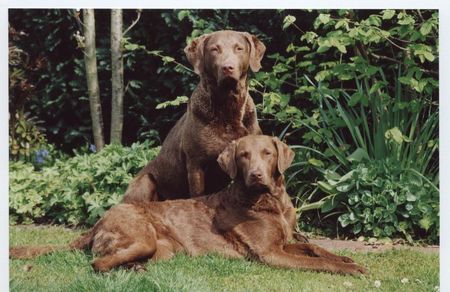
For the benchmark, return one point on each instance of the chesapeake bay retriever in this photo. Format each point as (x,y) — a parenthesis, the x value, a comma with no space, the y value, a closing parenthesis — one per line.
(244,220)
(220,110)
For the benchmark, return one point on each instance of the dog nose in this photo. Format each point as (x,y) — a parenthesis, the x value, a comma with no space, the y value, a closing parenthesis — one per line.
(256,174)
(227,69)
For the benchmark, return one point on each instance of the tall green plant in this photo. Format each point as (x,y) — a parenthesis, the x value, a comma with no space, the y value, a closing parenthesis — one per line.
(385,153)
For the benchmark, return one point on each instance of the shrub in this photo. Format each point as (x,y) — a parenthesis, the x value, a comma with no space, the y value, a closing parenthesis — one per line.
(371,108)
(381,164)
(77,190)
(382,199)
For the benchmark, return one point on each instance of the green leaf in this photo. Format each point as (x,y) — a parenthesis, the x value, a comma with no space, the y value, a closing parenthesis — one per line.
(343,188)
(366,198)
(331,175)
(426,28)
(425,223)
(325,187)
(176,102)
(357,228)
(410,197)
(341,23)
(183,14)
(395,135)
(354,99)
(323,48)
(344,220)
(429,56)
(131,47)
(341,48)
(330,203)
(167,59)
(288,21)
(135,84)
(324,18)
(322,75)
(388,13)
(358,155)
(376,86)
(315,162)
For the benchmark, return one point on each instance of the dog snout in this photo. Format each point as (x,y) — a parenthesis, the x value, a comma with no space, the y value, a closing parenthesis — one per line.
(228,69)
(256,174)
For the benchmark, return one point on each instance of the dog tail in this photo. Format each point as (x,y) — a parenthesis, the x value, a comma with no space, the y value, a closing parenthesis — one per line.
(28,252)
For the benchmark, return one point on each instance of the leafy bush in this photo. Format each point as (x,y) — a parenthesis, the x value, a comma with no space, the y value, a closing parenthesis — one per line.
(76,190)
(382,199)
(25,137)
(372,106)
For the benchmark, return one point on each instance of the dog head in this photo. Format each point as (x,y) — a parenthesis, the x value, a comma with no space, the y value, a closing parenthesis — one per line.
(225,56)
(256,160)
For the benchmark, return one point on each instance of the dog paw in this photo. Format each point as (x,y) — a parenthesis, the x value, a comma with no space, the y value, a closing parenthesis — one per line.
(358,270)
(100,266)
(136,266)
(346,259)
(300,237)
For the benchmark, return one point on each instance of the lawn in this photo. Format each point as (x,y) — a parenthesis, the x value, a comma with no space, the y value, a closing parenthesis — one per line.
(71,271)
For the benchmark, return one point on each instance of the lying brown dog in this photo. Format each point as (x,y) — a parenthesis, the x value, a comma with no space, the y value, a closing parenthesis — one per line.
(245,220)
(220,110)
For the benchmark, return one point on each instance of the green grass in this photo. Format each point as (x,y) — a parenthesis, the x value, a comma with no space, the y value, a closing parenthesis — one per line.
(71,271)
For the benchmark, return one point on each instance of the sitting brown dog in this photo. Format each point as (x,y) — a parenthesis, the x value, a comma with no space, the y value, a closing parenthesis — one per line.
(245,220)
(220,110)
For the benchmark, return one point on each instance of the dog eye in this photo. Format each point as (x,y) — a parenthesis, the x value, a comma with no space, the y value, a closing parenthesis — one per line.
(214,49)
(239,48)
(244,154)
(267,152)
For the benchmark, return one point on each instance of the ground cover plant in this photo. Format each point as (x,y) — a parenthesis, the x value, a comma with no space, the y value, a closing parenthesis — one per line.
(75,190)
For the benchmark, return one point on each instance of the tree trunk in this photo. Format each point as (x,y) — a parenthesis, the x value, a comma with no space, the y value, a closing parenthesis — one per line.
(117,76)
(90,60)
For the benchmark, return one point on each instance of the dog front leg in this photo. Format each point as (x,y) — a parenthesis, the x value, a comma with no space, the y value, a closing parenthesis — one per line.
(196,179)
(314,251)
(250,120)
(284,259)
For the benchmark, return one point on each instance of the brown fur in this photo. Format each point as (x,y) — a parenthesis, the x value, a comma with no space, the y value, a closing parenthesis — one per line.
(220,110)
(245,220)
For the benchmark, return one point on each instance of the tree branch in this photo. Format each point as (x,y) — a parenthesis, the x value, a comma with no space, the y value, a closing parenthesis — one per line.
(138,11)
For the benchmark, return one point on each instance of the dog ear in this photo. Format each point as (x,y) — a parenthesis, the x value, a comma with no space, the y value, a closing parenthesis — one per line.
(285,155)
(257,50)
(194,52)
(227,160)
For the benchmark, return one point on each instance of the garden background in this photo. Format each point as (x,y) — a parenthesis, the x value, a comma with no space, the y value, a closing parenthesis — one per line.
(354,92)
